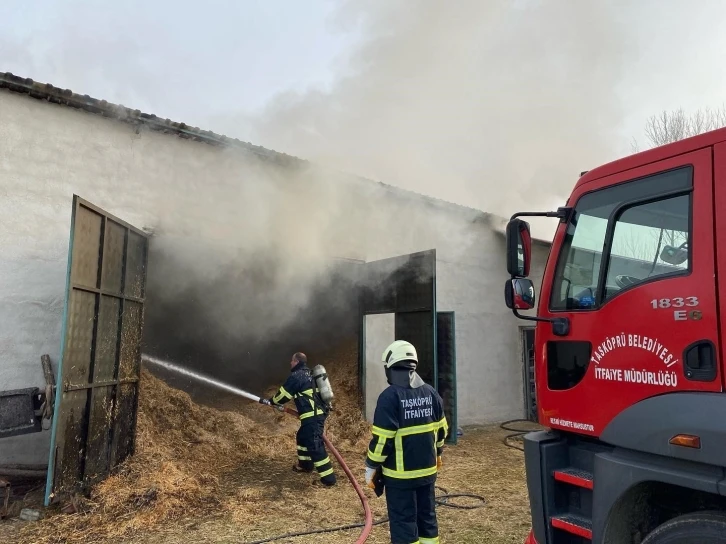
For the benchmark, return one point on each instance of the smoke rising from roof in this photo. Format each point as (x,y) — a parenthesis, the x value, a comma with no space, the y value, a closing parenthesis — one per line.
(496,105)
(266,261)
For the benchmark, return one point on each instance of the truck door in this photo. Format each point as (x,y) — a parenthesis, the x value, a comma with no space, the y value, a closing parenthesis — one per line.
(635,275)
(719,174)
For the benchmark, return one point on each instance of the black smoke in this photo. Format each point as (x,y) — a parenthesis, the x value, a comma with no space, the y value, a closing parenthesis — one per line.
(239,325)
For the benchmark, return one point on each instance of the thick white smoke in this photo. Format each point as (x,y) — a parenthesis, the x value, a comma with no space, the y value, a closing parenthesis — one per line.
(496,105)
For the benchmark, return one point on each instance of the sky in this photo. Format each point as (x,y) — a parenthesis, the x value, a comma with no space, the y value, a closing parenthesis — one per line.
(495,105)
(179,59)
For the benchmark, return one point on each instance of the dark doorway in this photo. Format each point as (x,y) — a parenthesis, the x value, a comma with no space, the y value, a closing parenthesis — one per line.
(404,288)
(446,364)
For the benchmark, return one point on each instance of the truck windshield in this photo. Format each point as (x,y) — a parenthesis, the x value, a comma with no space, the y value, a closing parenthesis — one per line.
(646,229)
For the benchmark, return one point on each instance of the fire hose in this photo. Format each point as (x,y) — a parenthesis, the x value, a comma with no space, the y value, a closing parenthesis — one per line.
(441,500)
(368,525)
(517,432)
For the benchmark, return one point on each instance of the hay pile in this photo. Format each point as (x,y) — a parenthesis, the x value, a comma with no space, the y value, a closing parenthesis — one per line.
(185,453)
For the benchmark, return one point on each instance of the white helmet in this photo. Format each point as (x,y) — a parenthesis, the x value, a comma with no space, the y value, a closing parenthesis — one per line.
(398,352)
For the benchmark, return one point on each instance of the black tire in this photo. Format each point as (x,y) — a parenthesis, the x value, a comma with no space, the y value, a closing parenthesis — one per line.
(698,528)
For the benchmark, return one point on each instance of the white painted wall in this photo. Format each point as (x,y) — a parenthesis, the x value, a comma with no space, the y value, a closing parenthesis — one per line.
(471,273)
(180,187)
(379,333)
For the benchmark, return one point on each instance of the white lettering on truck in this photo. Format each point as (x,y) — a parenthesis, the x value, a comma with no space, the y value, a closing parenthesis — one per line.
(623,340)
(659,378)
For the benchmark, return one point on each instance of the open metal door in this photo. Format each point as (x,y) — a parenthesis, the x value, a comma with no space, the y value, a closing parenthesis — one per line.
(97,394)
(404,286)
(446,363)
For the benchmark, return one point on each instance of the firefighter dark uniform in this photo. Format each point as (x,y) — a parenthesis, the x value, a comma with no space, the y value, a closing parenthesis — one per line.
(409,429)
(311,452)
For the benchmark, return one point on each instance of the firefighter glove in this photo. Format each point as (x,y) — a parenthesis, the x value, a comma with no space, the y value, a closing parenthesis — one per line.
(439,462)
(370,474)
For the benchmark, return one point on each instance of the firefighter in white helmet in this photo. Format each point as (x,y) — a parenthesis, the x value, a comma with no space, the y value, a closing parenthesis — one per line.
(409,429)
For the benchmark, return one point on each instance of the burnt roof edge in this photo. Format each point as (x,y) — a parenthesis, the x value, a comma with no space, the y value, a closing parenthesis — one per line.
(134,117)
(66,97)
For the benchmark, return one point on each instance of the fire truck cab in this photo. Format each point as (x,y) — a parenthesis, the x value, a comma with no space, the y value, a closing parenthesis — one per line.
(628,352)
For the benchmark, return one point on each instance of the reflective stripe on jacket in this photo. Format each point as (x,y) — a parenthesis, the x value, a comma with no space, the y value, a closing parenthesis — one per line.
(299,387)
(409,429)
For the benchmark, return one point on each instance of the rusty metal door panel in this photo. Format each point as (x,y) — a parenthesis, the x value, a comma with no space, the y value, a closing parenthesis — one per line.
(130,359)
(97,463)
(97,395)
(124,423)
(113,255)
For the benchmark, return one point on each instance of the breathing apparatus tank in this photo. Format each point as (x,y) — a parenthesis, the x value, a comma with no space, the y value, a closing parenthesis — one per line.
(323,383)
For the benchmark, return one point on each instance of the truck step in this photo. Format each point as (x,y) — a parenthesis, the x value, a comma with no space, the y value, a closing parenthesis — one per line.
(574,524)
(574,476)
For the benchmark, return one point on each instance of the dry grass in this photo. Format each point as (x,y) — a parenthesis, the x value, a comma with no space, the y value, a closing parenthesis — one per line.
(207,476)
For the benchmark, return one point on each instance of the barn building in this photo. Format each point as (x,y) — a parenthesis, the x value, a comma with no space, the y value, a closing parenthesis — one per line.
(239,255)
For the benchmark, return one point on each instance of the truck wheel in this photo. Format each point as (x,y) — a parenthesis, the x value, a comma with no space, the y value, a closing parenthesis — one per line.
(698,528)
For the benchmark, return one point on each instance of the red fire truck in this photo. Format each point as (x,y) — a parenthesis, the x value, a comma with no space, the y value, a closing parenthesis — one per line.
(630,352)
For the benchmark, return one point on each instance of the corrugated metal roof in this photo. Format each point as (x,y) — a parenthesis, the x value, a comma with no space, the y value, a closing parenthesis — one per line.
(66,97)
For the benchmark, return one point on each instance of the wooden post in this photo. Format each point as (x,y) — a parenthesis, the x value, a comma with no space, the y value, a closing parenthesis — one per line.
(47,370)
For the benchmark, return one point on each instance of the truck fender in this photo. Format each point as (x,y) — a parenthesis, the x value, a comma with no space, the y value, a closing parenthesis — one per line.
(618,473)
(649,425)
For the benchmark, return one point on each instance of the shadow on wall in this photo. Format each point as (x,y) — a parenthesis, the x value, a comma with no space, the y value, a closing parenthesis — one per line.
(239,319)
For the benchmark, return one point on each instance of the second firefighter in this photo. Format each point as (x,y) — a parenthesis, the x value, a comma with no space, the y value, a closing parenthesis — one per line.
(409,429)
(300,387)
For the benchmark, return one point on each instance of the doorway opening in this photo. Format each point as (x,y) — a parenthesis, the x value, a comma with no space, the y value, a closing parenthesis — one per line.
(398,302)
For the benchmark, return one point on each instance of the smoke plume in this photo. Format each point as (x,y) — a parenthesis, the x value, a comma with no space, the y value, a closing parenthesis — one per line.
(496,105)
(267,260)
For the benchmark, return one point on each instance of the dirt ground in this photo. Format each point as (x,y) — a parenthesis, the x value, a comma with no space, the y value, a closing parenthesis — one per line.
(211,476)
(479,464)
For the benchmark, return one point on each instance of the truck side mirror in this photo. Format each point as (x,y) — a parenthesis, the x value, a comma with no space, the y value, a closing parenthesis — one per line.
(519,248)
(519,294)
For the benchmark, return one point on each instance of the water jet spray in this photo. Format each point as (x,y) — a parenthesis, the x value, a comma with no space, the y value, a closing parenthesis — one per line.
(199,377)
(368,525)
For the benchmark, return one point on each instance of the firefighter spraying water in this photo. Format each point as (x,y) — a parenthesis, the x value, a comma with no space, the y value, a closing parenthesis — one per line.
(312,404)
(322,389)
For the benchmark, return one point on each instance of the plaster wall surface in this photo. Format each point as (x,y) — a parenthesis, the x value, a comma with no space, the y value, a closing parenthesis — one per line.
(233,199)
